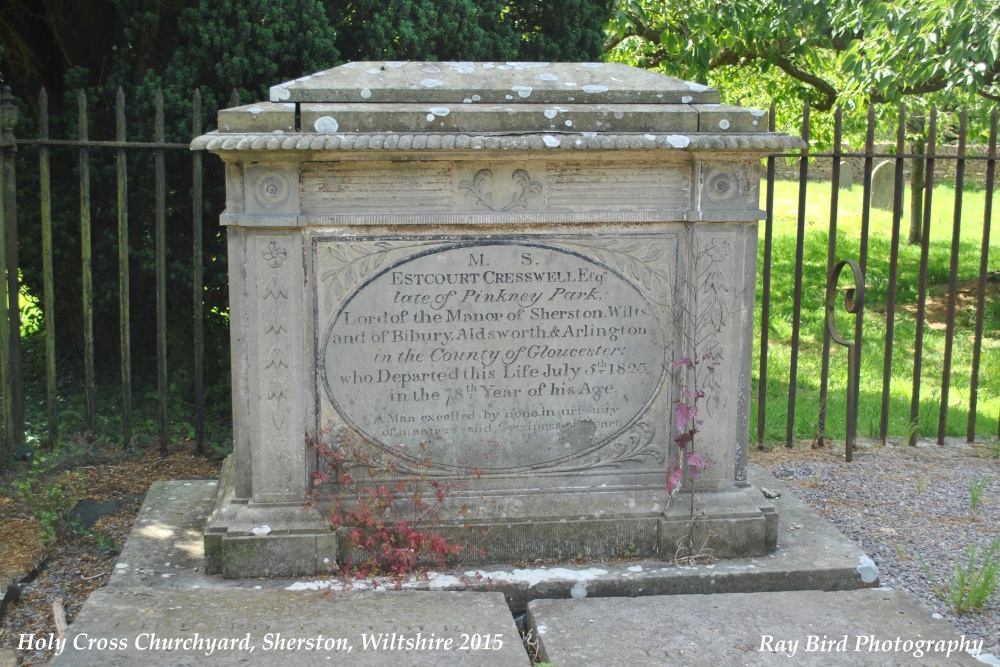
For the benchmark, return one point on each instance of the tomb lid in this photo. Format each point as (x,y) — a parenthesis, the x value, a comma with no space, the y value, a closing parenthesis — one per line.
(386,105)
(389,82)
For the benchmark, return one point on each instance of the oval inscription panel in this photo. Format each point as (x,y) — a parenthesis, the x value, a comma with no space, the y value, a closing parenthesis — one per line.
(506,356)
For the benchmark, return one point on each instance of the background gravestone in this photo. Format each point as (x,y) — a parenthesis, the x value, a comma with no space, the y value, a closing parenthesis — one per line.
(846,175)
(883,185)
(491,267)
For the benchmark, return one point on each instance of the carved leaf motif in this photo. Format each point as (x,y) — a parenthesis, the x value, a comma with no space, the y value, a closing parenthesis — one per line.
(477,188)
(276,393)
(275,358)
(637,260)
(529,190)
(276,390)
(357,261)
(274,324)
(634,445)
(276,289)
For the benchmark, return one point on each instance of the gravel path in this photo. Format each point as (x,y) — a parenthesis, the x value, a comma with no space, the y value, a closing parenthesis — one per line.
(906,506)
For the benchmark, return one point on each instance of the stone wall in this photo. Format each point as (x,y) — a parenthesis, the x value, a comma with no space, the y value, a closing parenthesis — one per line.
(944,169)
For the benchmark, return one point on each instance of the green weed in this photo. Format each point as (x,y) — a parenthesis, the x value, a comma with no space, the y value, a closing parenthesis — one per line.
(972,583)
(976,486)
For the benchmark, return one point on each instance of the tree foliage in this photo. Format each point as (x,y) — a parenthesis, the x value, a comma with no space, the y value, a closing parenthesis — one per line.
(217,45)
(837,50)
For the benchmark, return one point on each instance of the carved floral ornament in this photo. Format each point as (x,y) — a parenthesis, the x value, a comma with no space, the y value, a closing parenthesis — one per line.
(271,189)
(479,189)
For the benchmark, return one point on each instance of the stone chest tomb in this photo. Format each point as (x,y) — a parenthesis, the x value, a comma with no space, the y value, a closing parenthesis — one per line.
(495,266)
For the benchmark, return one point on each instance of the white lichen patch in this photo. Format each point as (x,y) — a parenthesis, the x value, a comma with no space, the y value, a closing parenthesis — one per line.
(679,141)
(509,97)
(326,125)
(651,137)
(550,141)
(696,87)
(593,65)
(430,118)
(476,98)
(467,100)
(757,112)
(395,64)
(569,123)
(440,111)
(548,77)
(724,124)
(579,591)
(432,70)
(430,83)
(867,569)
(255,110)
(522,91)
(365,93)
(595,89)
(551,113)
(279,93)
(687,99)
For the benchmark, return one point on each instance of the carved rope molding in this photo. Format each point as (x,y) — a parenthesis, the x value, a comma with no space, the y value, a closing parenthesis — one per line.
(752,142)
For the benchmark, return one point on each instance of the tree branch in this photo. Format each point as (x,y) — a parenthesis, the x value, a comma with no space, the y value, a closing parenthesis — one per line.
(828,92)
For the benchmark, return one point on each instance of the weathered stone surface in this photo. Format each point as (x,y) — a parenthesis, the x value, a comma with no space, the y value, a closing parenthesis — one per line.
(435,269)
(174,628)
(883,185)
(846,176)
(867,627)
(540,349)
(496,83)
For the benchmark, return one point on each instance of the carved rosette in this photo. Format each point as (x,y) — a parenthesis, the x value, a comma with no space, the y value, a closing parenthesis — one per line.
(729,186)
(271,189)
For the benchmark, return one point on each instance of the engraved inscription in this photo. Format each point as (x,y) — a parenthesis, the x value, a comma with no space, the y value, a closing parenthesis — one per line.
(508,356)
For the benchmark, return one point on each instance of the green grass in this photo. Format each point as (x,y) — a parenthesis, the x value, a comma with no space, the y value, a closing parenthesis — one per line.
(972,582)
(812,319)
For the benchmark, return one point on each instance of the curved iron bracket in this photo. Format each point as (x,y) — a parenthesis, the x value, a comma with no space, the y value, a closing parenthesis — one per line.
(854,302)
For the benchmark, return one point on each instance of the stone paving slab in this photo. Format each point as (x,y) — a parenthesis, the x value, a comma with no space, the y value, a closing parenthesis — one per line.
(159,586)
(176,628)
(858,628)
(165,550)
